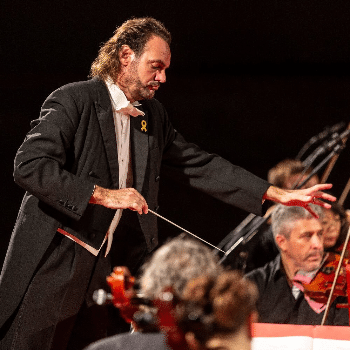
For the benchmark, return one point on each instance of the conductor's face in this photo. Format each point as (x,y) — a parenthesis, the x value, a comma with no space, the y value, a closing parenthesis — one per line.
(141,76)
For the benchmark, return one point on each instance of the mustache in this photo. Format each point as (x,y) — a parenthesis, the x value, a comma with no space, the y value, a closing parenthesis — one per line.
(316,254)
(154,83)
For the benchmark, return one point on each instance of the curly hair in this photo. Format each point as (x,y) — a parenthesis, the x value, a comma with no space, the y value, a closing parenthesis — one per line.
(174,264)
(134,33)
(213,305)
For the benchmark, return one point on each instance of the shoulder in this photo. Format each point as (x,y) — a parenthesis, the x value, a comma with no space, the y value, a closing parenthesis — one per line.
(109,343)
(82,85)
(78,97)
(134,341)
(88,88)
(262,275)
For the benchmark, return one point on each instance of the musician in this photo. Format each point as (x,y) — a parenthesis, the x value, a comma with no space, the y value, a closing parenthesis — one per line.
(262,248)
(172,265)
(217,312)
(289,173)
(335,227)
(98,148)
(299,237)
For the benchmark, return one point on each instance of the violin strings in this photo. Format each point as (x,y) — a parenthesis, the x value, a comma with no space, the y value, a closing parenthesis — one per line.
(181,228)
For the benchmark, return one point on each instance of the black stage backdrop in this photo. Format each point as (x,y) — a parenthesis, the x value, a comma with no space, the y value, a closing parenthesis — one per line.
(251,80)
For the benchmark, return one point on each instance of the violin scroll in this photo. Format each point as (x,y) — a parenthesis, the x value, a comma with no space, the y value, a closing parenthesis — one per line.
(122,286)
(146,315)
(124,295)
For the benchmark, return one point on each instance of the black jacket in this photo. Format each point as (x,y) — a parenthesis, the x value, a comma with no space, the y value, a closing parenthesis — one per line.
(276,303)
(72,147)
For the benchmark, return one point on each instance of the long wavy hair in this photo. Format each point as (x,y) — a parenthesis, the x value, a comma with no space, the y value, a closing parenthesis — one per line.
(135,33)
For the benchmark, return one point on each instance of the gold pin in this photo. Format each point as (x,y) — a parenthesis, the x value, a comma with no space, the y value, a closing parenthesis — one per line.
(144,124)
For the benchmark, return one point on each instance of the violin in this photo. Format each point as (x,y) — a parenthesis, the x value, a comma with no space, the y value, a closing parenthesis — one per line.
(146,315)
(332,279)
(320,287)
(124,296)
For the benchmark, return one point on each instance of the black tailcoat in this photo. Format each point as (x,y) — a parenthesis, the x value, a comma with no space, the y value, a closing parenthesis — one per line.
(72,147)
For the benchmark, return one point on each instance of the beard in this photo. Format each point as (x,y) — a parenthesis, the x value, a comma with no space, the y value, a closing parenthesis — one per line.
(137,89)
(145,92)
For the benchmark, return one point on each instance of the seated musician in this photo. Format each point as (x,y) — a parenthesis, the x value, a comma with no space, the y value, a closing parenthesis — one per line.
(262,248)
(288,174)
(217,312)
(335,227)
(172,265)
(299,237)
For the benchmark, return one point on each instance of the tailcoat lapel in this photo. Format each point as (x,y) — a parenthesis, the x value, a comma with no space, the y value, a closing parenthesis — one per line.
(105,117)
(139,149)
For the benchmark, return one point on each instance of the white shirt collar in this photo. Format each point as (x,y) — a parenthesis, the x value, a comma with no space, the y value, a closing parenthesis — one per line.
(118,97)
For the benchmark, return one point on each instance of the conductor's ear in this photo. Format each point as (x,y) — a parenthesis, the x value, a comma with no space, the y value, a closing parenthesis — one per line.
(126,55)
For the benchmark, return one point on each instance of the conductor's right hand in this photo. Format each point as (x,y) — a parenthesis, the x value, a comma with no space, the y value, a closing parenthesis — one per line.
(125,198)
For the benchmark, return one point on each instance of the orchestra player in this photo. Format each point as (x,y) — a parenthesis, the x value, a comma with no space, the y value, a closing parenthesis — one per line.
(172,265)
(216,312)
(299,238)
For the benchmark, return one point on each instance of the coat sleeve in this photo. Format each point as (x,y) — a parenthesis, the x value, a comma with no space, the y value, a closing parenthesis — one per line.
(42,161)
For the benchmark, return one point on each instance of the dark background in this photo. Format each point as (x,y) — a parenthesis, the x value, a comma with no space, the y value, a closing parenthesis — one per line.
(249,80)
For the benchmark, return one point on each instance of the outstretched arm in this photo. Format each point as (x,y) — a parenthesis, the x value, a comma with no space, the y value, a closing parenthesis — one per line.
(301,198)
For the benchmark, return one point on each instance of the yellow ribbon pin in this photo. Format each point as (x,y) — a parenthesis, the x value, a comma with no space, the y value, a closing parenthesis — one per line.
(143,124)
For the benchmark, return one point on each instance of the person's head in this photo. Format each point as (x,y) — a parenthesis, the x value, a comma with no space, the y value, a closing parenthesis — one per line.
(287,173)
(215,312)
(299,237)
(335,226)
(135,57)
(174,264)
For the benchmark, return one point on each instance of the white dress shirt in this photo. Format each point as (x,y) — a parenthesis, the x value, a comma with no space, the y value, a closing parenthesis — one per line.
(122,109)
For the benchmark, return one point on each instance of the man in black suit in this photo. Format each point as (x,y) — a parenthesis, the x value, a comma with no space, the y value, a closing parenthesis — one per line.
(95,151)
(299,238)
